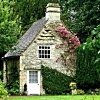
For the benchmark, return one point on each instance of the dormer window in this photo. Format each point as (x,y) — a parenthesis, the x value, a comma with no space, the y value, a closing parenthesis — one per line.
(44,51)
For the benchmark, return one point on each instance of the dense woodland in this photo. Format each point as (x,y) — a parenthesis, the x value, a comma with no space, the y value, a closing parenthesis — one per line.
(80,16)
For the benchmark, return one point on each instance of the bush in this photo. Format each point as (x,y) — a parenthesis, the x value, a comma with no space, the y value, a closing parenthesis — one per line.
(94,91)
(3,91)
(55,82)
(88,62)
(80,92)
(13,89)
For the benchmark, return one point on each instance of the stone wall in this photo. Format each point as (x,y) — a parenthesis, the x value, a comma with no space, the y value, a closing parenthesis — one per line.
(29,59)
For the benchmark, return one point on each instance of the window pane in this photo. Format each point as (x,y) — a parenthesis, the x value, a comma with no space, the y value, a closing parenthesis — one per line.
(39,47)
(39,51)
(48,56)
(42,56)
(42,47)
(46,47)
(44,51)
(48,51)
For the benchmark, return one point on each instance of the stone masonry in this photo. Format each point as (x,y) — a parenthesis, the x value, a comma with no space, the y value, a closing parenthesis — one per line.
(29,59)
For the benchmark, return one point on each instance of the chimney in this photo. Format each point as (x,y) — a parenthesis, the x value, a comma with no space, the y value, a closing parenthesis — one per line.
(53,12)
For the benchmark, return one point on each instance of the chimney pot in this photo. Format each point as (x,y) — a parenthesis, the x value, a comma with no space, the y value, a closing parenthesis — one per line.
(53,11)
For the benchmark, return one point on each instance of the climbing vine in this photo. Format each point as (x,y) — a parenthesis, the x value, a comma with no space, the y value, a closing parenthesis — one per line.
(70,40)
(69,43)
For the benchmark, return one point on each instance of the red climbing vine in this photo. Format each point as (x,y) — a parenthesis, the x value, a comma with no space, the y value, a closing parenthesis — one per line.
(69,41)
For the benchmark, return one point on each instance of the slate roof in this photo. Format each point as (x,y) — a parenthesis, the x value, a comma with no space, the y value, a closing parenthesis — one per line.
(26,39)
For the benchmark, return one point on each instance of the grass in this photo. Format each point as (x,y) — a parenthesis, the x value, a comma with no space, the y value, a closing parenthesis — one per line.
(78,97)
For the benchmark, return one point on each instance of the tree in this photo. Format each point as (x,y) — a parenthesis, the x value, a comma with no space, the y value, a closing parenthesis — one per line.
(88,62)
(29,11)
(9,25)
(32,10)
(82,16)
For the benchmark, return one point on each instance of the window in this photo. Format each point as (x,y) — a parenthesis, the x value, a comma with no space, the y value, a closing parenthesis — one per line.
(33,76)
(44,51)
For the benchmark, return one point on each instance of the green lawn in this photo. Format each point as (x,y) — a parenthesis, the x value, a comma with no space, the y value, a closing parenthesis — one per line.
(79,97)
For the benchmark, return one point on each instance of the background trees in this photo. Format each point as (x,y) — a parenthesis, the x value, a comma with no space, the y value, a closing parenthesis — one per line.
(82,16)
(9,25)
(88,62)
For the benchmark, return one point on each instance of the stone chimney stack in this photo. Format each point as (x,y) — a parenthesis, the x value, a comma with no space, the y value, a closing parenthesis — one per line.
(53,12)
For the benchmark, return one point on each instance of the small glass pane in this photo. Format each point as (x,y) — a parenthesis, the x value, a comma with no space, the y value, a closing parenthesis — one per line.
(39,47)
(42,47)
(42,56)
(39,56)
(33,76)
(46,47)
(48,56)
(45,51)
(39,51)
(42,51)
(48,51)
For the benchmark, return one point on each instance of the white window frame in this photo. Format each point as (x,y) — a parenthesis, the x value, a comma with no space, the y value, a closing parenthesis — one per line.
(44,50)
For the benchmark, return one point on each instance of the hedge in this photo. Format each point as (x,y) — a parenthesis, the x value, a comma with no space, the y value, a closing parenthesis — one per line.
(55,82)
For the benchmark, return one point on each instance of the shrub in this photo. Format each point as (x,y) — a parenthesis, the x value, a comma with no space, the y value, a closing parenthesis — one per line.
(94,91)
(88,62)
(55,82)
(87,76)
(13,89)
(3,91)
(80,92)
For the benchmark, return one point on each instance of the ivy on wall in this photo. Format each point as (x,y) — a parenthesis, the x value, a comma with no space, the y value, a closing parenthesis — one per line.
(55,82)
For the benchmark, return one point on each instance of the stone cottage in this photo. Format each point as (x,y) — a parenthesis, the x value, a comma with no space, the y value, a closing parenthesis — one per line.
(35,48)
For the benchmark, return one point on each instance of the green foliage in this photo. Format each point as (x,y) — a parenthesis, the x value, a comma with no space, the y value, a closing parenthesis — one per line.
(13,89)
(17,13)
(3,91)
(29,11)
(55,82)
(88,62)
(80,92)
(82,16)
(9,25)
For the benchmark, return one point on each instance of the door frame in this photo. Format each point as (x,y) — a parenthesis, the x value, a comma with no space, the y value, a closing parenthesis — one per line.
(39,81)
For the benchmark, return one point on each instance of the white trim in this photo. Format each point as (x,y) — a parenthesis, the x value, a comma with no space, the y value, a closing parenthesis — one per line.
(43,49)
(33,88)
